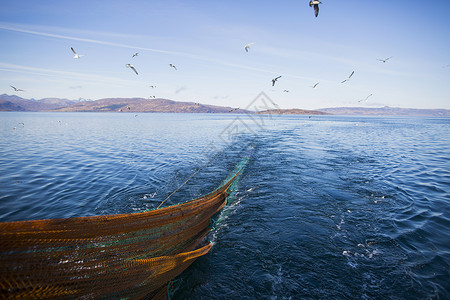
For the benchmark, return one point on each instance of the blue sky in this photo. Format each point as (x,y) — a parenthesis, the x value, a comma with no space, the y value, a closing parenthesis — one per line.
(205,40)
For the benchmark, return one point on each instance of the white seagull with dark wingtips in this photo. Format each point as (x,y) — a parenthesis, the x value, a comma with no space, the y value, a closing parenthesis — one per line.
(348,77)
(135,54)
(172,66)
(76,54)
(365,98)
(16,89)
(248,46)
(275,80)
(132,68)
(384,60)
(316,6)
(314,86)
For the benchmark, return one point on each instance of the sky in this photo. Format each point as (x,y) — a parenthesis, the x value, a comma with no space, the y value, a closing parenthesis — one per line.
(205,41)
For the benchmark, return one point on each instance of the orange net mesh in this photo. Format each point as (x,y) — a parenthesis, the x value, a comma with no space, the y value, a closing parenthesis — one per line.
(114,256)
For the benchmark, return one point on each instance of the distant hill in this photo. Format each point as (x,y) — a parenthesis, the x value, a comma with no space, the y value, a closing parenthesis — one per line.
(386,111)
(293,111)
(146,105)
(15,103)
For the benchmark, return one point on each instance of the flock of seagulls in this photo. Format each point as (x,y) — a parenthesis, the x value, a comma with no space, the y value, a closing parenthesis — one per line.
(312,3)
(247,47)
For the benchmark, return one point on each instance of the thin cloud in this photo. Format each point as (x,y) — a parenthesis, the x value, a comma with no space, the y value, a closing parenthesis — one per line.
(57,73)
(72,38)
(120,45)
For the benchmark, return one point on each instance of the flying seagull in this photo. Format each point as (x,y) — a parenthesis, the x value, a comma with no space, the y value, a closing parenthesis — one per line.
(365,98)
(248,46)
(16,89)
(316,6)
(131,67)
(348,77)
(135,54)
(153,86)
(286,91)
(233,109)
(384,60)
(76,54)
(172,66)
(275,80)
(314,86)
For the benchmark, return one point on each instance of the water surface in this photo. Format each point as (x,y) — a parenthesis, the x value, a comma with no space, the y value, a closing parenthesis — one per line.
(329,207)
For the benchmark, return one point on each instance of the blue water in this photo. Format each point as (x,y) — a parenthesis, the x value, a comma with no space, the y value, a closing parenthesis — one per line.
(328,207)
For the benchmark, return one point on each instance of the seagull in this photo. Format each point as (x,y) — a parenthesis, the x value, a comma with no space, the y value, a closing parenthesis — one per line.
(248,46)
(316,6)
(151,97)
(16,89)
(131,67)
(314,86)
(348,77)
(153,86)
(286,91)
(275,80)
(384,60)
(234,109)
(365,98)
(135,54)
(128,107)
(76,54)
(172,66)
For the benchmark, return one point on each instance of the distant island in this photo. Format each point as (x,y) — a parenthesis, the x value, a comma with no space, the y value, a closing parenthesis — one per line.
(292,111)
(16,103)
(386,111)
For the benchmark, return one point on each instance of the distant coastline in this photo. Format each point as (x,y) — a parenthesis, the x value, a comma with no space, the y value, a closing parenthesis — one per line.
(16,103)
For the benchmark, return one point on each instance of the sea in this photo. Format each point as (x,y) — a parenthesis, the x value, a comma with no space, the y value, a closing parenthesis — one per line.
(327,207)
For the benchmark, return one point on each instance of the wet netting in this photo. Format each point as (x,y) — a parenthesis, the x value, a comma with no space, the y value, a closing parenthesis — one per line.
(113,256)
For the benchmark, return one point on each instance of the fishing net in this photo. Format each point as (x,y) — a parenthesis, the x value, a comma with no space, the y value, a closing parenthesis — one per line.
(113,256)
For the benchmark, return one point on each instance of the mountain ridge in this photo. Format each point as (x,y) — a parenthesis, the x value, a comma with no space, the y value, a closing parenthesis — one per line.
(136,104)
